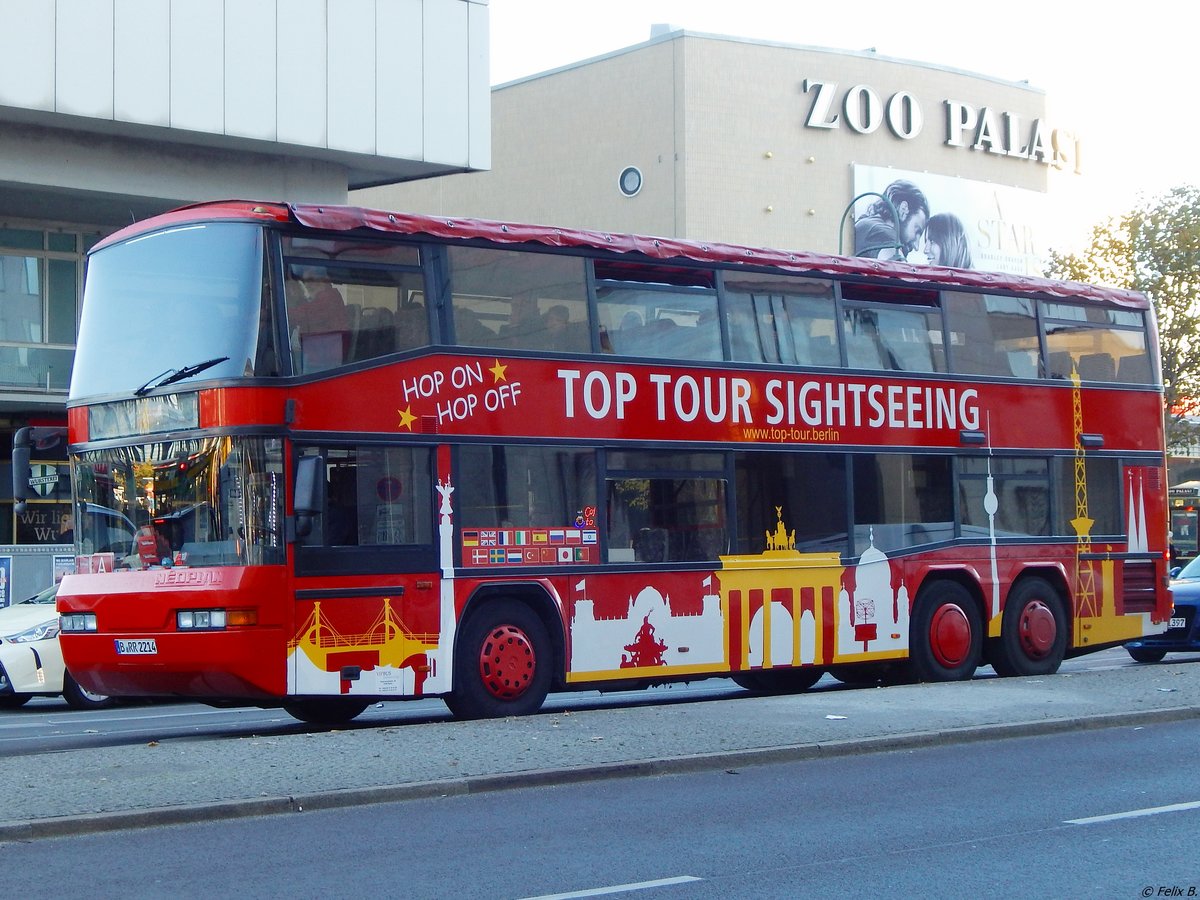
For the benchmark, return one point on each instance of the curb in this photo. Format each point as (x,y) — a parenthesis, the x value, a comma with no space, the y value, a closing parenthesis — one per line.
(95,823)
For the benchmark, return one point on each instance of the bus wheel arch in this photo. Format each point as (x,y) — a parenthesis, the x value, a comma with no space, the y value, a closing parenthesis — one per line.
(946,629)
(1034,627)
(507,657)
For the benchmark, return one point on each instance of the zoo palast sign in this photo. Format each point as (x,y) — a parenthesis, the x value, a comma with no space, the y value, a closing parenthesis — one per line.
(863,110)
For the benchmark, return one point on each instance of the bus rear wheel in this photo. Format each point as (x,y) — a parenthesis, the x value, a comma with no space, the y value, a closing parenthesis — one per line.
(325,711)
(945,633)
(779,681)
(501,664)
(1033,631)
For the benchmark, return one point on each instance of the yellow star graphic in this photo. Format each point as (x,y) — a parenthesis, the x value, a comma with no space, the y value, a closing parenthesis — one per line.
(498,371)
(406,418)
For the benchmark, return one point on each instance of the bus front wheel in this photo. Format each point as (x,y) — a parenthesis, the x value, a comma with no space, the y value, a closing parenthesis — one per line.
(1033,631)
(501,664)
(945,633)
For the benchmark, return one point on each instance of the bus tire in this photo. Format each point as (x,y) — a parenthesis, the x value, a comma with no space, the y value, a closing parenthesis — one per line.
(81,698)
(502,663)
(872,674)
(945,633)
(1033,630)
(779,681)
(14,701)
(325,710)
(1146,654)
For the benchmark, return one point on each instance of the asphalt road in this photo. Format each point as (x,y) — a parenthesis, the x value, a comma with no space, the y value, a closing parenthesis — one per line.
(194,774)
(1087,813)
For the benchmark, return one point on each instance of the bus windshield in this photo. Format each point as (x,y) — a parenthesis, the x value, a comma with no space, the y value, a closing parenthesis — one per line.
(196,502)
(173,299)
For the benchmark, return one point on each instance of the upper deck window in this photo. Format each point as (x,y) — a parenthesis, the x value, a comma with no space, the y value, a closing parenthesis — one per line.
(776,319)
(518,300)
(1101,345)
(658,320)
(178,297)
(352,300)
(992,335)
(894,338)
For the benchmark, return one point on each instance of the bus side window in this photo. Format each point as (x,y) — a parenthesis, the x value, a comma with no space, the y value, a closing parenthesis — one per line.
(901,500)
(374,497)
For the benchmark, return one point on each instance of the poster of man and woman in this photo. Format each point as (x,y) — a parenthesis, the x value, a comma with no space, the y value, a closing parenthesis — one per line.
(940,220)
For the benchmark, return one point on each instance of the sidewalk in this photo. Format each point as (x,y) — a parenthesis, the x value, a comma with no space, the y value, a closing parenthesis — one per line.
(188,780)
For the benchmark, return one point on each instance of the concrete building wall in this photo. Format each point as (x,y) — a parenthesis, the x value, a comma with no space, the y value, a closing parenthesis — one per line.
(719,129)
(167,101)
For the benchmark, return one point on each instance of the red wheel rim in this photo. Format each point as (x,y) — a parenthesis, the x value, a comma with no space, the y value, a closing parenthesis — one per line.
(950,636)
(506,662)
(1037,629)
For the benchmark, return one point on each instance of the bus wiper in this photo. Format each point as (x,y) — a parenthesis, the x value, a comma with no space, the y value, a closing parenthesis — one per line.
(173,375)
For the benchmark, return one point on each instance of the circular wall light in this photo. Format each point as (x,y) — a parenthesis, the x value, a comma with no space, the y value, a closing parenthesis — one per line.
(630,181)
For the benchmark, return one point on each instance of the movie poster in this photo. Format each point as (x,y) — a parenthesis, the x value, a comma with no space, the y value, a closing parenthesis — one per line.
(949,221)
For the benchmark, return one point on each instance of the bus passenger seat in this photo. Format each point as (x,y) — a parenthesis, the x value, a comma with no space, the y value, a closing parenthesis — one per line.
(412,327)
(651,545)
(1134,369)
(376,333)
(1059,364)
(1097,367)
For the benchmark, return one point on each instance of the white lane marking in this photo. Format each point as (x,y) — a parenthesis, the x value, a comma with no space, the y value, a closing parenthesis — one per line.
(619,888)
(1135,813)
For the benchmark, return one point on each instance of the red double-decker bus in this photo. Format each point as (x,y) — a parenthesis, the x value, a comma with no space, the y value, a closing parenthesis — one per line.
(324,456)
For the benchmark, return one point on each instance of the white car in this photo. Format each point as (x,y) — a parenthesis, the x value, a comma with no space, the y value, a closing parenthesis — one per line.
(31,661)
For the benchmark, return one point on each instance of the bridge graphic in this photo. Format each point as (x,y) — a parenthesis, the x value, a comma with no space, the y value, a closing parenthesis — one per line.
(386,642)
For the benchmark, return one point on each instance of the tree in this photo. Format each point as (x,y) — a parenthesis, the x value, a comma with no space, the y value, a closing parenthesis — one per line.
(1155,249)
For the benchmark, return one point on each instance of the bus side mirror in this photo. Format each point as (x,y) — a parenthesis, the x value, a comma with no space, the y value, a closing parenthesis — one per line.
(50,441)
(22,490)
(307,500)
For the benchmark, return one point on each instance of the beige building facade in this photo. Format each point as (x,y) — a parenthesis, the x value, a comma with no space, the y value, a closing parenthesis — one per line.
(747,142)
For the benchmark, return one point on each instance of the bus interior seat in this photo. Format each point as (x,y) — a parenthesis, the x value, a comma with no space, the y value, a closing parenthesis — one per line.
(650,545)
(1097,367)
(823,351)
(1134,369)
(376,334)
(1023,363)
(412,327)
(1059,364)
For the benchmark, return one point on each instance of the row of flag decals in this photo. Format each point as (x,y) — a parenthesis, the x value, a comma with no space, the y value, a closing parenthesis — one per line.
(527,546)
(523,537)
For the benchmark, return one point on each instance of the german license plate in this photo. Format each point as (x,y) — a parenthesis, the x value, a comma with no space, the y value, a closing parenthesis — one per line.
(140,647)
(1177,622)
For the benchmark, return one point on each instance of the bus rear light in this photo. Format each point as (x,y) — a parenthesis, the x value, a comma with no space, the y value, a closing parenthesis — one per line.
(75,622)
(213,619)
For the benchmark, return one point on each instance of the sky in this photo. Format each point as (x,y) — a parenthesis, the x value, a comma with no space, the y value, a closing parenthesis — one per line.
(1127,81)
